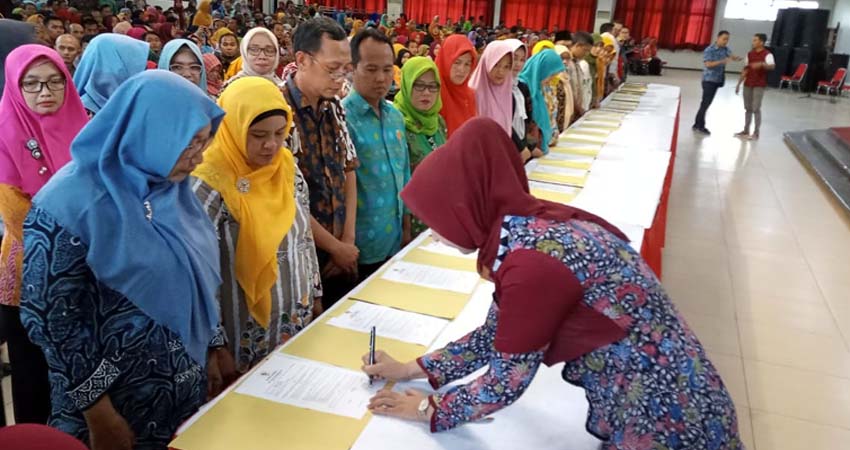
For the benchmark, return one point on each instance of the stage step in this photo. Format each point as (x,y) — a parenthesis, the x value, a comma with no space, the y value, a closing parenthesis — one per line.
(828,156)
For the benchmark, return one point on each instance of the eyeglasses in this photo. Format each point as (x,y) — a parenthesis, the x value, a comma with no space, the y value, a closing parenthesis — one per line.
(195,69)
(35,86)
(336,75)
(268,51)
(422,87)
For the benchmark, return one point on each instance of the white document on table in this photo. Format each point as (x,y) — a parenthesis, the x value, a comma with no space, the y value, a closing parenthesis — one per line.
(391,323)
(432,277)
(554,188)
(443,249)
(558,170)
(573,157)
(312,385)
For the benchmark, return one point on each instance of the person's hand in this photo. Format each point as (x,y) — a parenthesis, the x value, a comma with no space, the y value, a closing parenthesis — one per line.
(736,58)
(525,154)
(388,368)
(214,379)
(345,257)
(318,309)
(331,270)
(737,89)
(537,153)
(107,429)
(404,405)
(227,366)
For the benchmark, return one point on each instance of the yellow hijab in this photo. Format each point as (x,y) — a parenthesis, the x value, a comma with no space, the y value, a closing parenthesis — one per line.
(219,34)
(203,16)
(540,46)
(261,200)
(397,48)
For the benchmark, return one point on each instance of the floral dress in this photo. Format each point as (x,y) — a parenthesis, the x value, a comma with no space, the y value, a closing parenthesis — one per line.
(654,389)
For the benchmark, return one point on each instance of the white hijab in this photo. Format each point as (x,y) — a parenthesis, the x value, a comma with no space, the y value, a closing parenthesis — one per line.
(246,66)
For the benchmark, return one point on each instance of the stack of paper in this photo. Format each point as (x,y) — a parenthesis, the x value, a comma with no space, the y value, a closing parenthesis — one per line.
(553,192)
(560,175)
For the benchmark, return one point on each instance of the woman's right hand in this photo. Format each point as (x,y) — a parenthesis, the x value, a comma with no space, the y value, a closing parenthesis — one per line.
(388,368)
(107,429)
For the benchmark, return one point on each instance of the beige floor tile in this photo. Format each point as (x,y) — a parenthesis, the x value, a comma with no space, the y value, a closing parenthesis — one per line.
(717,335)
(797,393)
(776,432)
(785,278)
(792,314)
(731,370)
(700,296)
(690,247)
(783,346)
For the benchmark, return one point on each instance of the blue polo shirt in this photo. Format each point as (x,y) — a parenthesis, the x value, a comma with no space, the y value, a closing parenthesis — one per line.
(716,74)
(383,172)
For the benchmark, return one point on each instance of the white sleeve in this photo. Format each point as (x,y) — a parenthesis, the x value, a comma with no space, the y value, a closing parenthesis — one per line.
(769,60)
(746,60)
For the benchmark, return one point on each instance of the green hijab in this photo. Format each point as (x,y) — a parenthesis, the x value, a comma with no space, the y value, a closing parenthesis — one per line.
(418,122)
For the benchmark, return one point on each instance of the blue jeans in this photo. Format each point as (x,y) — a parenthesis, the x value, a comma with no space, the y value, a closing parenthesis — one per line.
(709,90)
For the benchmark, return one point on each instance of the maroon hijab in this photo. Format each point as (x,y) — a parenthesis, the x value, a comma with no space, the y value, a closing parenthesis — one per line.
(464,189)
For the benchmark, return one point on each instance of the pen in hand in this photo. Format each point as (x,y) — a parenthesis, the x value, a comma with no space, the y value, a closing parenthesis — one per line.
(371,351)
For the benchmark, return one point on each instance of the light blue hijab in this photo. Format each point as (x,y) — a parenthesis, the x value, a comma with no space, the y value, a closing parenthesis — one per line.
(537,69)
(172,47)
(109,60)
(148,238)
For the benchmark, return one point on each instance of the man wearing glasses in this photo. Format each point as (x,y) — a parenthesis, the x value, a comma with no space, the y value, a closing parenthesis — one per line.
(324,150)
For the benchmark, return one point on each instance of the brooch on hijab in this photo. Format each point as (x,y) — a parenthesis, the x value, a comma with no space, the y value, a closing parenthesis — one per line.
(35,152)
(243,185)
(148,210)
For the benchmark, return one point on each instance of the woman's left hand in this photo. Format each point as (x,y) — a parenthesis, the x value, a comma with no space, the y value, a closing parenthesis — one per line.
(404,405)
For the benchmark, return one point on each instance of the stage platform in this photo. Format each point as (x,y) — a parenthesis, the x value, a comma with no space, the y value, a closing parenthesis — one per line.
(827,154)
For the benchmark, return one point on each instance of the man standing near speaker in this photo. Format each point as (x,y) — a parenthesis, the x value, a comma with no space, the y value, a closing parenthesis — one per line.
(715,58)
(758,63)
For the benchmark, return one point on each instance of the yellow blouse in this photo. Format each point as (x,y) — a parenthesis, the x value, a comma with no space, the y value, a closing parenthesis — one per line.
(14,207)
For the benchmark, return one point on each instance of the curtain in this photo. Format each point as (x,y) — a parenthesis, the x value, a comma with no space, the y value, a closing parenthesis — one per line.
(678,24)
(572,15)
(423,11)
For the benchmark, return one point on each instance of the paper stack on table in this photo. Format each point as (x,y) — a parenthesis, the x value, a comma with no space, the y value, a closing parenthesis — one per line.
(431,277)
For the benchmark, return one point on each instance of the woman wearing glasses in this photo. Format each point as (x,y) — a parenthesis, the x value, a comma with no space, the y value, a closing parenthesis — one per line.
(260,56)
(184,58)
(419,101)
(42,114)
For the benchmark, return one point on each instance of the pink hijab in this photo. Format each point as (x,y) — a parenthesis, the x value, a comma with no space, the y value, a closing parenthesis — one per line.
(494,101)
(53,133)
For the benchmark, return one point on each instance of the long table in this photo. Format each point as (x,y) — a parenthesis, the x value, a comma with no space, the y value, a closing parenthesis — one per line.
(551,413)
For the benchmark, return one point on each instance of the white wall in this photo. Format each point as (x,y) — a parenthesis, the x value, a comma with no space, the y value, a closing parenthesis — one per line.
(741,33)
(841,14)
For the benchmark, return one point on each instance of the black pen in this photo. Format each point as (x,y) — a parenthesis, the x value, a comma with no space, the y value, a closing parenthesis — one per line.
(371,351)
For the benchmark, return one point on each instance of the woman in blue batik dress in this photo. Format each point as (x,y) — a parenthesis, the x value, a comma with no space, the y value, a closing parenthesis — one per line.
(121,269)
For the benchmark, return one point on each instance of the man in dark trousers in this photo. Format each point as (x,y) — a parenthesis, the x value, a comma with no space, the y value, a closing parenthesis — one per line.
(715,58)
(758,63)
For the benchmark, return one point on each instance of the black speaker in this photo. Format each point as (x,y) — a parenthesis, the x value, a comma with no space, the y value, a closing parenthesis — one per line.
(789,28)
(782,56)
(816,59)
(814,30)
(776,35)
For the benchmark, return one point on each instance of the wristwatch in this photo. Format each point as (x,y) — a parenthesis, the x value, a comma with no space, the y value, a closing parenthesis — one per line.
(422,410)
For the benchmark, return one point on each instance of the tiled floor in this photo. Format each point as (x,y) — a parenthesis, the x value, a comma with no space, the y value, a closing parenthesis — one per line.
(758,260)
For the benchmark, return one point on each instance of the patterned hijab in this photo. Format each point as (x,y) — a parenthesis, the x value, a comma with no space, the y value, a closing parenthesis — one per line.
(262,200)
(416,121)
(52,133)
(143,231)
